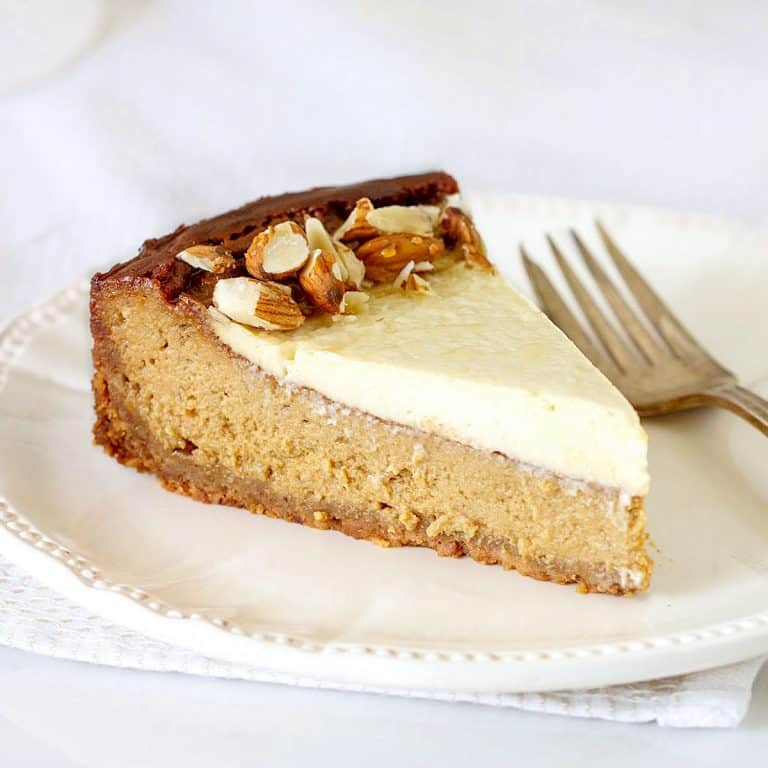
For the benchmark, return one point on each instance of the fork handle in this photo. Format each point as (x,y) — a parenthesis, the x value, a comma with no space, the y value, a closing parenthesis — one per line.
(741,401)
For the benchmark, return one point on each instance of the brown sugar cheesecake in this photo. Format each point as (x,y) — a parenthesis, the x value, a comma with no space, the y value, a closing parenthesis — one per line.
(348,358)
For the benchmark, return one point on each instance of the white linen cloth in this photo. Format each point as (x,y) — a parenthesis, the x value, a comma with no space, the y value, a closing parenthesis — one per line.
(34,618)
(175,110)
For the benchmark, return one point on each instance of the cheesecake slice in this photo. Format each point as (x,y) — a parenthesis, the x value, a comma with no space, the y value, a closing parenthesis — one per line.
(348,358)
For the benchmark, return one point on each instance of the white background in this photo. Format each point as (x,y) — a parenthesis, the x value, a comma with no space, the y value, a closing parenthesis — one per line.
(120,120)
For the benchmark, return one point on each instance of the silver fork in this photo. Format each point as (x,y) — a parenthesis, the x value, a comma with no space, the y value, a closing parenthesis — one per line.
(658,374)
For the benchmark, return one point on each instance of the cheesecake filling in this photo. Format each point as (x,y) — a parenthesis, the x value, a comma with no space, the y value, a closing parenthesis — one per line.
(472,361)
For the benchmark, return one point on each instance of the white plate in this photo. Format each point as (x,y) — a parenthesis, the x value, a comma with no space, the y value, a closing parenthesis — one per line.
(310,604)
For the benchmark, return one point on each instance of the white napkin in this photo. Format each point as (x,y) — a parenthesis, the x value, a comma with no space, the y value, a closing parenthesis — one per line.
(34,618)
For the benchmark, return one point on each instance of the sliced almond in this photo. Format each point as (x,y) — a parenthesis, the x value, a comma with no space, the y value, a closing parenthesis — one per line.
(457,201)
(317,235)
(403,275)
(423,266)
(211,258)
(279,251)
(459,229)
(408,219)
(258,304)
(386,255)
(356,227)
(352,269)
(353,302)
(322,281)
(410,281)
(416,284)
(365,221)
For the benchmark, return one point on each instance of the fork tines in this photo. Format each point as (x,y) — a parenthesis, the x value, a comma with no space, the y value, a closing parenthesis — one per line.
(646,348)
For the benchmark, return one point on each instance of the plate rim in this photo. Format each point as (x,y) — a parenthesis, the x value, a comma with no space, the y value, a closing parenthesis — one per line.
(371,664)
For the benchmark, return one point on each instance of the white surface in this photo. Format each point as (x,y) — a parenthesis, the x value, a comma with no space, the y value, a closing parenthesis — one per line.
(33,49)
(657,102)
(256,591)
(37,619)
(71,715)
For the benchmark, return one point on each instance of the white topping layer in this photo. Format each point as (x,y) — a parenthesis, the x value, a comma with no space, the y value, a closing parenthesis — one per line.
(475,362)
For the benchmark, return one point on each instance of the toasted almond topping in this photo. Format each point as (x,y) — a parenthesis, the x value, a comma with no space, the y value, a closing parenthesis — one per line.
(211,258)
(423,266)
(365,221)
(416,284)
(352,269)
(321,281)
(317,235)
(279,251)
(356,227)
(258,304)
(282,287)
(353,302)
(408,219)
(456,200)
(386,255)
(403,275)
(459,229)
